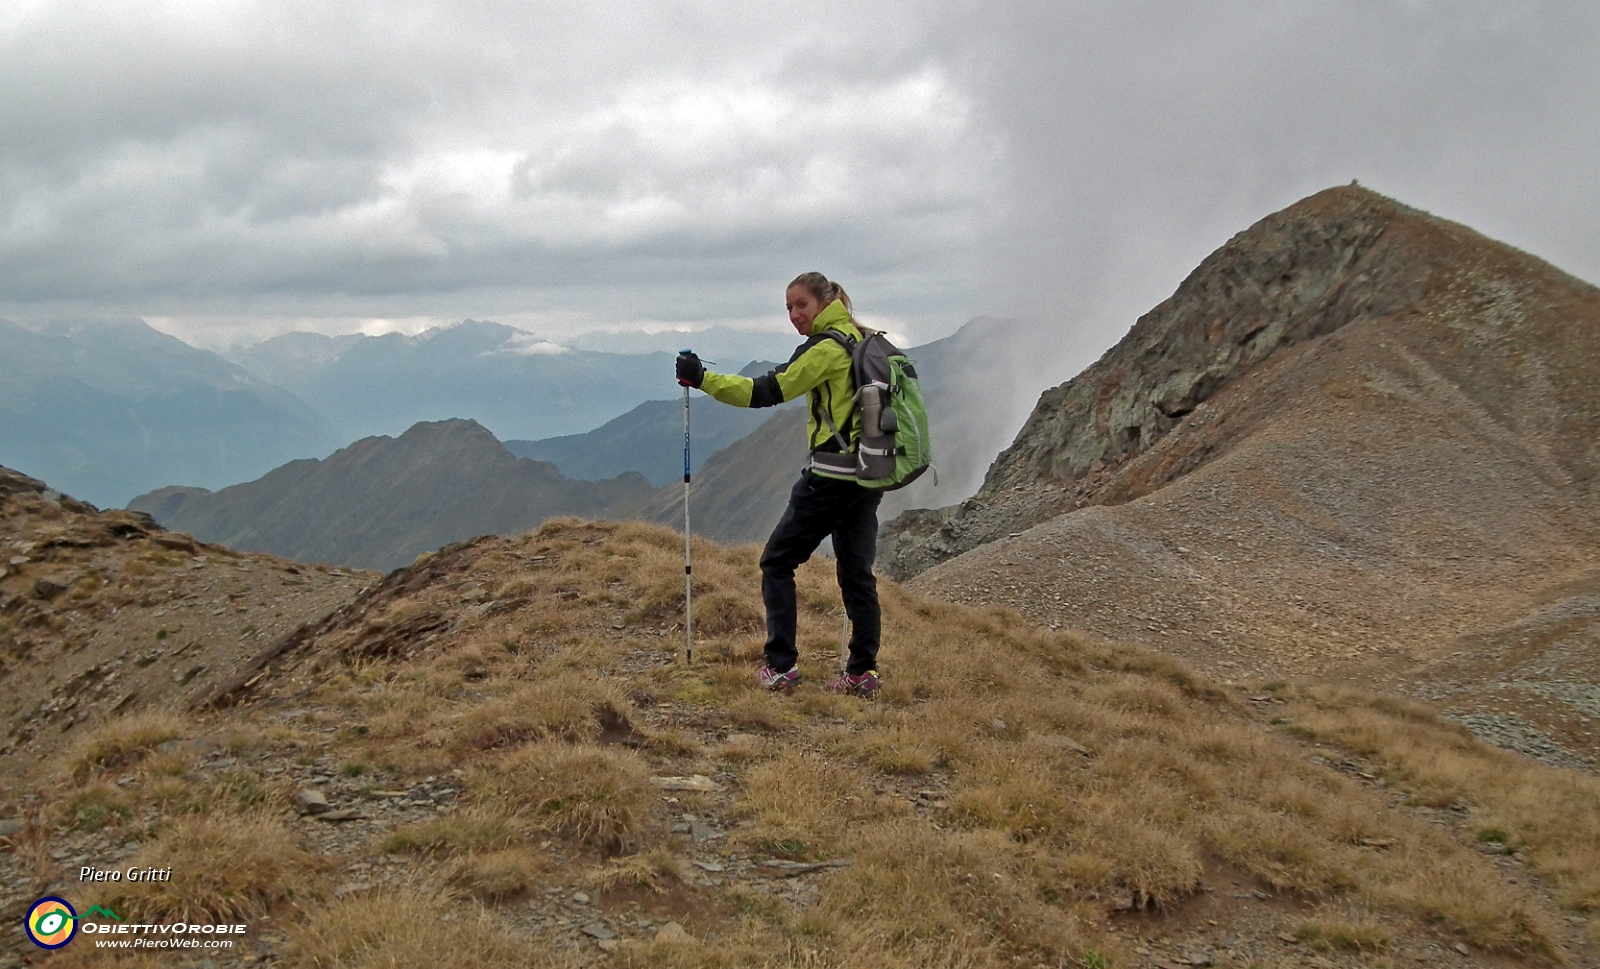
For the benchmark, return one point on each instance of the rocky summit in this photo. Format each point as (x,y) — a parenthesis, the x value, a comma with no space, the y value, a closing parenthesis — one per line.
(1358,442)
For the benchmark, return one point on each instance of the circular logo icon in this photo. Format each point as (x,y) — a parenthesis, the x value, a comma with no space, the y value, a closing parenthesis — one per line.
(52,922)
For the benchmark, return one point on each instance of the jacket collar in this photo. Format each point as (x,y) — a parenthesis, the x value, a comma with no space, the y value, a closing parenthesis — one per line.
(834,317)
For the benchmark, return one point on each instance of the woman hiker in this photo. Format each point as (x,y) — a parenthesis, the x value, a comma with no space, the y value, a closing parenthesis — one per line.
(826,500)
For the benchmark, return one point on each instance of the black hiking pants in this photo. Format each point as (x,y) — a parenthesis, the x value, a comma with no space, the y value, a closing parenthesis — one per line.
(819,507)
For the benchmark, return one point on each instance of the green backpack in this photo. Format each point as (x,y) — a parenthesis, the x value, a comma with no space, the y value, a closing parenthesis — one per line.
(894,447)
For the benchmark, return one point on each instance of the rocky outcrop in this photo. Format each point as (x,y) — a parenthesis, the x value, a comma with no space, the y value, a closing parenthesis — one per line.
(1343,255)
(1401,494)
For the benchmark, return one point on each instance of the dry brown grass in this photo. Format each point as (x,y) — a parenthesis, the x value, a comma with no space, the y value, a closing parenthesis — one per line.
(802,806)
(598,796)
(742,747)
(652,870)
(671,741)
(568,707)
(386,930)
(753,944)
(475,828)
(1162,772)
(123,741)
(758,710)
(1552,815)
(1114,770)
(651,560)
(1348,933)
(1064,774)
(225,868)
(922,890)
(499,875)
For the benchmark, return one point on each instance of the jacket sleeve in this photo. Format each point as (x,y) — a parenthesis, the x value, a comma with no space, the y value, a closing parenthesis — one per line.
(818,359)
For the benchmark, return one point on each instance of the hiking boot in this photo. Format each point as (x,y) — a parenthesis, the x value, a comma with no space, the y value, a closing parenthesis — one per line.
(865,684)
(773,680)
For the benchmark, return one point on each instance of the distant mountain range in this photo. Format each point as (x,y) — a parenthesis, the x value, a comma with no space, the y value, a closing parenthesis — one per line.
(649,438)
(106,410)
(506,379)
(110,410)
(739,494)
(381,501)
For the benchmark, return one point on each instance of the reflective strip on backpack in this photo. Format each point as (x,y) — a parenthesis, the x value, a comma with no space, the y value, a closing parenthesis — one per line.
(833,464)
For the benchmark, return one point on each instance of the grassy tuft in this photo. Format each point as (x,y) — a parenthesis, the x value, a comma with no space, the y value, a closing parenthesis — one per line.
(569,707)
(601,797)
(757,711)
(122,742)
(471,829)
(652,870)
(382,930)
(96,807)
(498,875)
(803,806)
(970,891)
(1348,935)
(225,867)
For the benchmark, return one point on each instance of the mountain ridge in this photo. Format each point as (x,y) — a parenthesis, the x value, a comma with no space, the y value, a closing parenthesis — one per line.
(649,438)
(1229,315)
(1386,497)
(381,501)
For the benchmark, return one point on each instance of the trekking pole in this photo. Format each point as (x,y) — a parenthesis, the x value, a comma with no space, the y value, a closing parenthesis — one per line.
(844,645)
(688,561)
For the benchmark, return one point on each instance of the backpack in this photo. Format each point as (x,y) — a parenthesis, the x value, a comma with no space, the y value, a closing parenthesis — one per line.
(894,448)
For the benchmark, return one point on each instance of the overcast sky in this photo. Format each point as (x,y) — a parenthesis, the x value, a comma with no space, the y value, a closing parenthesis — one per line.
(232,170)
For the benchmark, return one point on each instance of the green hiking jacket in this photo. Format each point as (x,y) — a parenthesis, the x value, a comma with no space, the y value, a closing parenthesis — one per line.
(819,367)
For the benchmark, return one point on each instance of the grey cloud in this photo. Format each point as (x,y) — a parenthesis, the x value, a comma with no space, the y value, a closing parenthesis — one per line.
(1130,160)
(586,163)
(166,160)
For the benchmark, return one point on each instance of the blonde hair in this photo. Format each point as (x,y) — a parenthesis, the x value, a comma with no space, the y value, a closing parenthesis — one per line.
(823,289)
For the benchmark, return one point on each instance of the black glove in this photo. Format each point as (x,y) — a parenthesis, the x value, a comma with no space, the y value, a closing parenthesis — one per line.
(690,370)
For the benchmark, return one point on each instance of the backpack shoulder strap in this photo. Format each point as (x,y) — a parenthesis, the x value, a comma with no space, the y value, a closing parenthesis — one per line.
(844,339)
(849,343)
